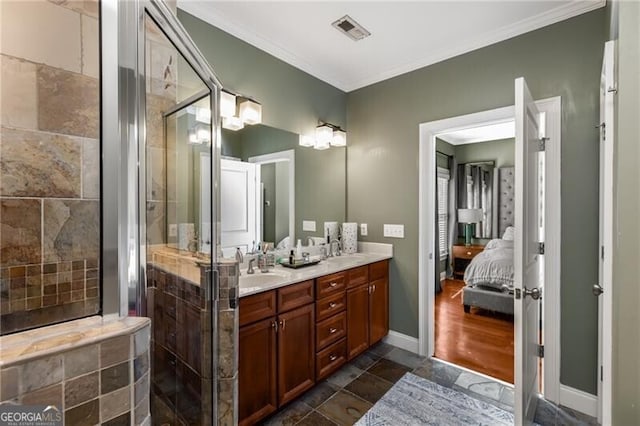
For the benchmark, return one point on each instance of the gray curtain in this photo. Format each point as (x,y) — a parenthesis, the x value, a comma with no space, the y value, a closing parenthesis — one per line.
(453,211)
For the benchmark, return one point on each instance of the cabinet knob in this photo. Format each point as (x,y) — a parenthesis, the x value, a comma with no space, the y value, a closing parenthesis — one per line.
(332,330)
(332,305)
(283,323)
(468,253)
(333,357)
(333,284)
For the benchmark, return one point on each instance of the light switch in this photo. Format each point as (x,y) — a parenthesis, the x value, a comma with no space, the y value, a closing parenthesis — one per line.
(309,225)
(363,229)
(394,231)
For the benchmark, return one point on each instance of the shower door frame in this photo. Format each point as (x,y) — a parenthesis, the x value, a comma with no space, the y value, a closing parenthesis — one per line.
(123,102)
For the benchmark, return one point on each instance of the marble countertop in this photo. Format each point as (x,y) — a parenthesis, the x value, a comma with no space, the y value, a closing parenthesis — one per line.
(280,276)
(42,341)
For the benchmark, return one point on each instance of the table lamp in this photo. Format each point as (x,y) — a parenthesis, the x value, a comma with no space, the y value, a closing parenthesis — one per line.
(469,217)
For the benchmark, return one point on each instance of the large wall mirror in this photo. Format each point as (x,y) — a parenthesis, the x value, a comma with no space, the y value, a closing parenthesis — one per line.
(477,189)
(270,185)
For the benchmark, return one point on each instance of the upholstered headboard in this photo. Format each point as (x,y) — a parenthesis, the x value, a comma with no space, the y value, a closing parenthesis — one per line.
(506,184)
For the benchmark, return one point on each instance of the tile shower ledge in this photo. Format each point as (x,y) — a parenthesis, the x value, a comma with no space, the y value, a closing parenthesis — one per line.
(326,267)
(21,347)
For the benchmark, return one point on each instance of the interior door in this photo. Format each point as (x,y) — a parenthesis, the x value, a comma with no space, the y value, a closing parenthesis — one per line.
(603,287)
(239,193)
(527,262)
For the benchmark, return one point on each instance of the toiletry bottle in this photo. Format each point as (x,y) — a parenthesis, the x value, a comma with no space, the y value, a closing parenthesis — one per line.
(299,249)
(291,258)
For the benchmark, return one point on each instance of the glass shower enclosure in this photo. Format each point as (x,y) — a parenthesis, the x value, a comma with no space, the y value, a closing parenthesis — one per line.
(178,154)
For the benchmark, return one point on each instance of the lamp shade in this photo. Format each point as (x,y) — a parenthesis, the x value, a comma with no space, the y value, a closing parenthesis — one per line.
(306,140)
(470,215)
(227,104)
(250,112)
(339,138)
(232,123)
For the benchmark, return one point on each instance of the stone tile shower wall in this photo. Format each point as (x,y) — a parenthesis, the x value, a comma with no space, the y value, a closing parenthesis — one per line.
(49,162)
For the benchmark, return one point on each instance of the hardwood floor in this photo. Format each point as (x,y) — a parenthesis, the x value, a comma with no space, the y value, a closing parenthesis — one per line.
(480,340)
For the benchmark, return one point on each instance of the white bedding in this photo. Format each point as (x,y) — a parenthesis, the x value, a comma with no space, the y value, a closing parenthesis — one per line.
(493,267)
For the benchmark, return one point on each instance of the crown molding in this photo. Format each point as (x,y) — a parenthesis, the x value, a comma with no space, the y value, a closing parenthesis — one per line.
(560,13)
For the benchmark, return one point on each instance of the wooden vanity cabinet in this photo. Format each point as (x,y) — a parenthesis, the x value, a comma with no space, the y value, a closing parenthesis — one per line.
(331,326)
(367,307)
(276,361)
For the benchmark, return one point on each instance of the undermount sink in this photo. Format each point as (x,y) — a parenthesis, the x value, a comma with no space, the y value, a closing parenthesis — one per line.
(345,259)
(261,279)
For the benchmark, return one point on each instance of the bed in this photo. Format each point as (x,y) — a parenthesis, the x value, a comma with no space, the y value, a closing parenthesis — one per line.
(489,278)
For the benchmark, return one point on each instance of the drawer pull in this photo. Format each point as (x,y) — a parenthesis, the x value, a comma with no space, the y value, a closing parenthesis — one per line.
(332,305)
(275,325)
(172,335)
(283,324)
(333,284)
(333,357)
(332,330)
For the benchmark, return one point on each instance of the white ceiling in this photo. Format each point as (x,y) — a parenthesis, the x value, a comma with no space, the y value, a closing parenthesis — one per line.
(484,133)
(405,35)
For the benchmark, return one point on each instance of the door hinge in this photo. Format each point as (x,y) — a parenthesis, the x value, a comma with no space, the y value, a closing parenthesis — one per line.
(518,294)
(541,351)
(540,248)
(602,252)
(601,373)
(542,143)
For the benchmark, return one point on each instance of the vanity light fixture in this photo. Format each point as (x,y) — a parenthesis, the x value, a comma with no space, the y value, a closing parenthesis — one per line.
(237,110)
(250,111)
(326,135)
(227,104)
(232,123)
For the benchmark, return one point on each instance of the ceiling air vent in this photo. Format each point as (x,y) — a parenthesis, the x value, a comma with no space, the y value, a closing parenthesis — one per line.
(351,28)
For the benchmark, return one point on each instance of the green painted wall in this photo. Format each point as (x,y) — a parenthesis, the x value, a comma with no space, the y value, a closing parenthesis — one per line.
(626,267)
(501,152)
(560,60)
(279,87)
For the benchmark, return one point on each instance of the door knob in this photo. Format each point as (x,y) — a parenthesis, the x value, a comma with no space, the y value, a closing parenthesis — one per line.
(534,293)
(597,290)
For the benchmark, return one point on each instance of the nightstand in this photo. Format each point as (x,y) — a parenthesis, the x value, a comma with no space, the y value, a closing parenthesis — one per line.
(461,257)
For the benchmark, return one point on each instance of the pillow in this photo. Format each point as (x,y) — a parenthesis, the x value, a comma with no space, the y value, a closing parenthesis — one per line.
(509,233)
(498,244)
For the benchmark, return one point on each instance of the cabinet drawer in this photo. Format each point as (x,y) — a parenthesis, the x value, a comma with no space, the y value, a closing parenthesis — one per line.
(330,359)
(330,305)
(330,284)
(378,270)
(331,330)
(464,252)
(256,307)
(358,276)
(295,295)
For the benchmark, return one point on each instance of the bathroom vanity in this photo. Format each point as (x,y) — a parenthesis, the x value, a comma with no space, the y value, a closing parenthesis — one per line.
(302,328)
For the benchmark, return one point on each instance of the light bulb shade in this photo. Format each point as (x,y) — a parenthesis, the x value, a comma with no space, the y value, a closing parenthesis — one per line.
(306,140)
(232,123)
(324,134)
(339,138)
(250,112)
(227,104)
(470,215)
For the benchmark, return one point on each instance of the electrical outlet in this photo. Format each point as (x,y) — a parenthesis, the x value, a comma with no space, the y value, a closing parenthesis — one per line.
(363,229)
(173,230)
(309,225)
(394,231)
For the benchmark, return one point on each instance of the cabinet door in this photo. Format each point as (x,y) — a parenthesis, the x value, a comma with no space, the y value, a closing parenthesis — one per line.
(296,353)
(378,310)
(257,395)
(357,320)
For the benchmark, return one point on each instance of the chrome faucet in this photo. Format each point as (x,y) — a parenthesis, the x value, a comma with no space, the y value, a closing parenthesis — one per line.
(239,257)
(338,251)
(250,270)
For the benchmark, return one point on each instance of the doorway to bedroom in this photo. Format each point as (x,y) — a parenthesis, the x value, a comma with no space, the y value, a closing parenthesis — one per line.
(542,182)
(474,206)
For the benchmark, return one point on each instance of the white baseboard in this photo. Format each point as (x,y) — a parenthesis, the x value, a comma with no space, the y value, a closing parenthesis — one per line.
(579,400)
(403,341)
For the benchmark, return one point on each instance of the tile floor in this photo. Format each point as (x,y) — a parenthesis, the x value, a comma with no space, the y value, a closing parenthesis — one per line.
(345,396)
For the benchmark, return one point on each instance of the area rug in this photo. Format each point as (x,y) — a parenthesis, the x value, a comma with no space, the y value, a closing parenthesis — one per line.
(417,401)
